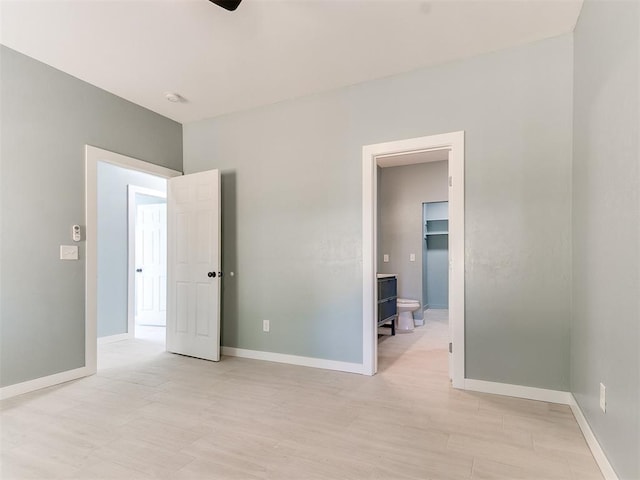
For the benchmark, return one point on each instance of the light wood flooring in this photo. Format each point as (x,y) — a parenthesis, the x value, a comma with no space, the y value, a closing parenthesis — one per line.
(150,414)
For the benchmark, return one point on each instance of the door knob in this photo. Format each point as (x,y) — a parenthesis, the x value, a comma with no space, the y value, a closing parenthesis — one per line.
(219,274)
(211,274)
(139,270)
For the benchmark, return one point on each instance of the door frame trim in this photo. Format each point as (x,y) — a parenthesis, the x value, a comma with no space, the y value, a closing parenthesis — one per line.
(453,141)
(93,155)
(132,190)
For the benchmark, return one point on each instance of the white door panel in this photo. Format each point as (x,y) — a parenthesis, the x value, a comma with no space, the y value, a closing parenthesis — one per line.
(193,320)
(151,264)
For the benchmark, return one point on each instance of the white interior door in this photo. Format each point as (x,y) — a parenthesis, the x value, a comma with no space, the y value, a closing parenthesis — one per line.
(151,264)
(193,220)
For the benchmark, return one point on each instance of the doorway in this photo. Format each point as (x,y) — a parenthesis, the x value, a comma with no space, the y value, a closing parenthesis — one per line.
(193,257)
(372,156)
(435,255)
(147,271)
(94,158)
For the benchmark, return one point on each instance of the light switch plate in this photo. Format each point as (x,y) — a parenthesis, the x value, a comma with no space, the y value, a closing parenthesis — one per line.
(385,257)
(68,252)
(412,257)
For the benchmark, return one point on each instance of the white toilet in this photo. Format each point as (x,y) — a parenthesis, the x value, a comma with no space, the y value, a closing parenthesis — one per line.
(406,307)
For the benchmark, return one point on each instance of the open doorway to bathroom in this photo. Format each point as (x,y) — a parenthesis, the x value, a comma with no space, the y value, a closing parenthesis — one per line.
(394,242)
(412,240)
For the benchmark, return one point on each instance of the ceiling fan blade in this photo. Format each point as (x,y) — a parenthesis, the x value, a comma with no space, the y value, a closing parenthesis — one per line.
(230,5)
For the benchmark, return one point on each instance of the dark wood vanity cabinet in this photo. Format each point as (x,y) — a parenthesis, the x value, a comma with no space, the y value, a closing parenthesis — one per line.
(388,302)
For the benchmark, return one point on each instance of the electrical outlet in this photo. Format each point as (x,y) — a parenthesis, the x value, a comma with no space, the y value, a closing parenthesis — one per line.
(265,325)
(603,398)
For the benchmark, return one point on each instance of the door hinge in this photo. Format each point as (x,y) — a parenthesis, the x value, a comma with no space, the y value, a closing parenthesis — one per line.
(450,347)
(450,181)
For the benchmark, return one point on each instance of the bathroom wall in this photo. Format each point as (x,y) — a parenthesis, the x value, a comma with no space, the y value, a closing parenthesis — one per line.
(46,119)
(605,328)
(292,208)
(402,190)
(113,241)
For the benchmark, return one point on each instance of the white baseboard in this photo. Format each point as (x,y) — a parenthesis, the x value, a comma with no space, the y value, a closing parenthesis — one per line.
(114,338)
(601,459)
(43,382)
(294,360)
(553,396)
(519,391)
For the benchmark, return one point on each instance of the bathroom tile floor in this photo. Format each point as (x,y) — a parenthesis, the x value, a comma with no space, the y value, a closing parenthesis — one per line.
(151,414)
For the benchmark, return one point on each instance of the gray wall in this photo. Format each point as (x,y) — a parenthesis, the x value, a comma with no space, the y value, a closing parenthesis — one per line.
(605,331)
(46,119)
(292,208)
(402,190)
(113,242)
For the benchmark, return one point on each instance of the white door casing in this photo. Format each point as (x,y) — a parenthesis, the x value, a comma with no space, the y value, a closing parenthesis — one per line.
(193,266)
(93,155)
(151,264)
(455,143)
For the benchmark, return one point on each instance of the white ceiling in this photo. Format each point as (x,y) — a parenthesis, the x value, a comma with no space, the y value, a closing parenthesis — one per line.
(267,50)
